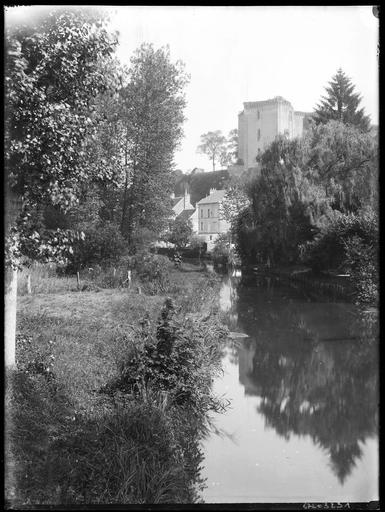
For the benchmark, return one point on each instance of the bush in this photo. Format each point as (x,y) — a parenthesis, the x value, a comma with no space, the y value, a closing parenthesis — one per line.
(103,245)
(362,263)
(179,360)
(153,272)
(327,251)
(223,252)
(196,247)
(349,243)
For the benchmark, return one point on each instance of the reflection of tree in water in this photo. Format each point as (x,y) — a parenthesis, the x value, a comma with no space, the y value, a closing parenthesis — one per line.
(315,367)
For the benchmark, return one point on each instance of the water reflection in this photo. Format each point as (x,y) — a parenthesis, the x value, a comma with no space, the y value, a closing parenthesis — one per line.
(314,366)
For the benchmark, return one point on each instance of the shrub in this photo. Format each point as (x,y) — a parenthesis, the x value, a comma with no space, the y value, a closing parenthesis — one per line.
(224,253)
(349,243)
(221,250)
(103,244)
(327,251)
(196,247)
(179,360)
(153,272)
(362,263)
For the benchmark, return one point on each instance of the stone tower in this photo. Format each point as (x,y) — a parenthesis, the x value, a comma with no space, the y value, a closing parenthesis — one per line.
(261,121)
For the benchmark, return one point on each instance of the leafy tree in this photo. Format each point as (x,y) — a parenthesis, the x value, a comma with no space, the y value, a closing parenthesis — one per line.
(180,232)
(213,144)
(341,103)
(229,154)
(234,201)
(152,106)
(54,71)
(199,184)
(344,161)
(302,183)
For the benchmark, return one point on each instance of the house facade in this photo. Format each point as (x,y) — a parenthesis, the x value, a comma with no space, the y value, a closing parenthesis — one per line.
(210,220)
(261,122)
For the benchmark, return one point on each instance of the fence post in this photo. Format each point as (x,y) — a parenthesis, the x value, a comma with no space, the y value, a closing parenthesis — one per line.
(129,278)
(29,290)
(78,279)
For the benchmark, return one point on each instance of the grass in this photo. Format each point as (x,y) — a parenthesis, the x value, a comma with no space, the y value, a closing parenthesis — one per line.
(67,443)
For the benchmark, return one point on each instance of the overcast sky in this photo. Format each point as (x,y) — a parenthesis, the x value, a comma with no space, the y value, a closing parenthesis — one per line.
(238,54)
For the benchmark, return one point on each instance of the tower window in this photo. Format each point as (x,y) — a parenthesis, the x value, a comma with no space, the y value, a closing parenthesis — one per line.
(201,226)
(259,134)
(258,115)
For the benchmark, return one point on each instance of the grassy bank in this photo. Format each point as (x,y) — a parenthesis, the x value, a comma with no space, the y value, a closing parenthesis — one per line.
(69,441)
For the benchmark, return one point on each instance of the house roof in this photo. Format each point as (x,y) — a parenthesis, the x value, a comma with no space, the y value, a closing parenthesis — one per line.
(185,214)
(176,200)
(215,197)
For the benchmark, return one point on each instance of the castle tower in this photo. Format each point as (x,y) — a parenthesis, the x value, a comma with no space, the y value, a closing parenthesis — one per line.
(261,121)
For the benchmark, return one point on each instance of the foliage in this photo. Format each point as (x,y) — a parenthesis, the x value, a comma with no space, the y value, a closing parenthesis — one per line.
(196,242)
(179,360)
(180,231)
(213,144)
(232,146)
(200,184)
(233,203)
(102,245)
(35,359)
(221,250)
(349,243)
(152,105)
(71,445)
(341,104)
(224,252)
(334,168)
(344,161)
(362,261)
(54,71)
(152,271)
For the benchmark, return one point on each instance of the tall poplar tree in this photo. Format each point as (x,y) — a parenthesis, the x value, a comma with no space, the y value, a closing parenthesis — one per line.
(341,103)
(153,108)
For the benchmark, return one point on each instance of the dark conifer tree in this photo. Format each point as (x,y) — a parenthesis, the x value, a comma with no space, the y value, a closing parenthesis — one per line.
(341,103)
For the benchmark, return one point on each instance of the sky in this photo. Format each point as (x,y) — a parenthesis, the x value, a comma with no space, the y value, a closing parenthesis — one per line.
(253,53)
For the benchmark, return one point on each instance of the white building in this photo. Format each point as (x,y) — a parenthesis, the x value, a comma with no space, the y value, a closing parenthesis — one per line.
(210,221)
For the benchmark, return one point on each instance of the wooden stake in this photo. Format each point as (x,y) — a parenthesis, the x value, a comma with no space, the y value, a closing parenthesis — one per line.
(78,279)
(29,289)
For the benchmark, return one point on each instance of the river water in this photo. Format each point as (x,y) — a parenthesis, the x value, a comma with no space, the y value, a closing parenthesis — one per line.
(303,420)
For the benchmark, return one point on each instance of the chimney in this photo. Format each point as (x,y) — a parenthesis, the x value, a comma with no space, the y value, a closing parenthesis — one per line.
(172,195)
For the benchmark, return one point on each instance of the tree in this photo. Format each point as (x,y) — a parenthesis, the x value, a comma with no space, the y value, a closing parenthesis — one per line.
(212,144)
(180,232)
(341,103)
(303,182)
(229,154)
(233,203)
(55,68)
(152,105)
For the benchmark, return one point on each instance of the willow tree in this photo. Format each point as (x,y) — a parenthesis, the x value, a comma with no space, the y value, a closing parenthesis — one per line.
(152,105)
(55,68)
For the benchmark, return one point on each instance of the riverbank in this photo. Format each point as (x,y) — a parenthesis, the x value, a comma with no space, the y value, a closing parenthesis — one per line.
(68,442)
(329,285)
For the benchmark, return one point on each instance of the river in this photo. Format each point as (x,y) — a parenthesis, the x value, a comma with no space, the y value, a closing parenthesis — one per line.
(303,387)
